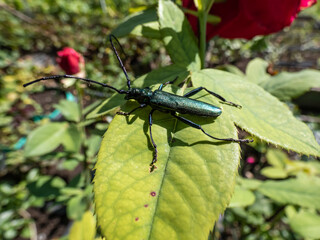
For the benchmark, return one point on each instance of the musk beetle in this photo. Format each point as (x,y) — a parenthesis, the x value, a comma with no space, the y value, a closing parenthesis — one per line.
(161,101)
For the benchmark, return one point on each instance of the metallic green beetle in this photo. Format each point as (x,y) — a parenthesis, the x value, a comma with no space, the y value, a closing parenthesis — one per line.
(161,101)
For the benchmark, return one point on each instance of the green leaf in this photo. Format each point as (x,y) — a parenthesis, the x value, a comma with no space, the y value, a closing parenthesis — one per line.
(144,23)
(160,75)
(5,120)
(256,71)
(231,69)
(46,186)
(277,158)
(76,207)
(274,172)
(306,224)
(261,114)
(69,109)
(204,5)
(84,229)
(183,197)
(287,86)
(149,30)
(69,164)
(178,36)
(45,139)
(290,211)
(241,197)
(213,19)
(93,144)
(247,183)
(72,138)
(302,191)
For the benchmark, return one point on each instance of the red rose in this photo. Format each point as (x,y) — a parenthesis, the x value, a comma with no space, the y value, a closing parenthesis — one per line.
(249,18)
(69,60)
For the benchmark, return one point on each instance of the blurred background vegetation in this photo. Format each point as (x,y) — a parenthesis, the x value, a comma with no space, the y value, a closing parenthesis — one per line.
(42,195)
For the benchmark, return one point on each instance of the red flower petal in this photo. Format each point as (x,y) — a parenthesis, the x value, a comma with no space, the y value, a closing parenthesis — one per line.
(249,18)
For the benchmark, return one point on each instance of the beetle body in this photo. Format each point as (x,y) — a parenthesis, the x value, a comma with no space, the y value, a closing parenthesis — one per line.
(167,101)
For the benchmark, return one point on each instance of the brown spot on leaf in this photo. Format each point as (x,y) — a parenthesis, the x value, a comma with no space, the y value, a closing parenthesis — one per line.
(136,219)
(146,205)
(153,194)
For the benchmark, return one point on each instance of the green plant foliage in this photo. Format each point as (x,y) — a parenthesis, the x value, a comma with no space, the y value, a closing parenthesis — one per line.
(247,183)
(45,139)
(260,113)
(72,138)
(241,197)
(273,172)
(231,69)
(76,206)
(69,109)
(183,192)
(301,191)
(85,229)
(256,71)
(132,203)
(195,175)
(306,224)
(277,158)
(144,23)
(46,186)
(204,5)
(287,86)
(13,201)
(178,37)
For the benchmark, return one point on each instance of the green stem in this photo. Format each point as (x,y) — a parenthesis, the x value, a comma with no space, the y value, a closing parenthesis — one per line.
(83,134)
(202,35)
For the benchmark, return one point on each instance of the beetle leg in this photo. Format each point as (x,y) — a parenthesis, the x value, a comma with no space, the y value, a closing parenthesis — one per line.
(167,83)
(128,113)
(194,125)
(155,153)
(194,91)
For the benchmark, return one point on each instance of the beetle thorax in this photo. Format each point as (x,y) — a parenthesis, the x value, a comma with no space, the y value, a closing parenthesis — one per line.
(142,95)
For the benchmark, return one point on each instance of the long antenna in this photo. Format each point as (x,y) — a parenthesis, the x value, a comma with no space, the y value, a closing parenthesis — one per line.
(78,78)
(119,59)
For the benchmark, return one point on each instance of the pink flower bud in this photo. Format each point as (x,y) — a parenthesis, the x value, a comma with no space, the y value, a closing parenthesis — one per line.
(69,60)
(251,160)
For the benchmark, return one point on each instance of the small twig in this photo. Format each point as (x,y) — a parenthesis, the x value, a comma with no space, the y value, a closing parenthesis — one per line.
(32,226)
(16,13)
(310,119)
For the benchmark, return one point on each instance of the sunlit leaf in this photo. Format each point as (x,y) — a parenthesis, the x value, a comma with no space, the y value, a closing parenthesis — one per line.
(85,229)
(76,207)
(306,224)
(183,197)
(261,114)
(274,172)
(247,183)
(277,158)
(302,191)
(72,138)
(241,197)
(45,139)
(144,23)
(256,71)
(69,109)
(178,36)
(287,86)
